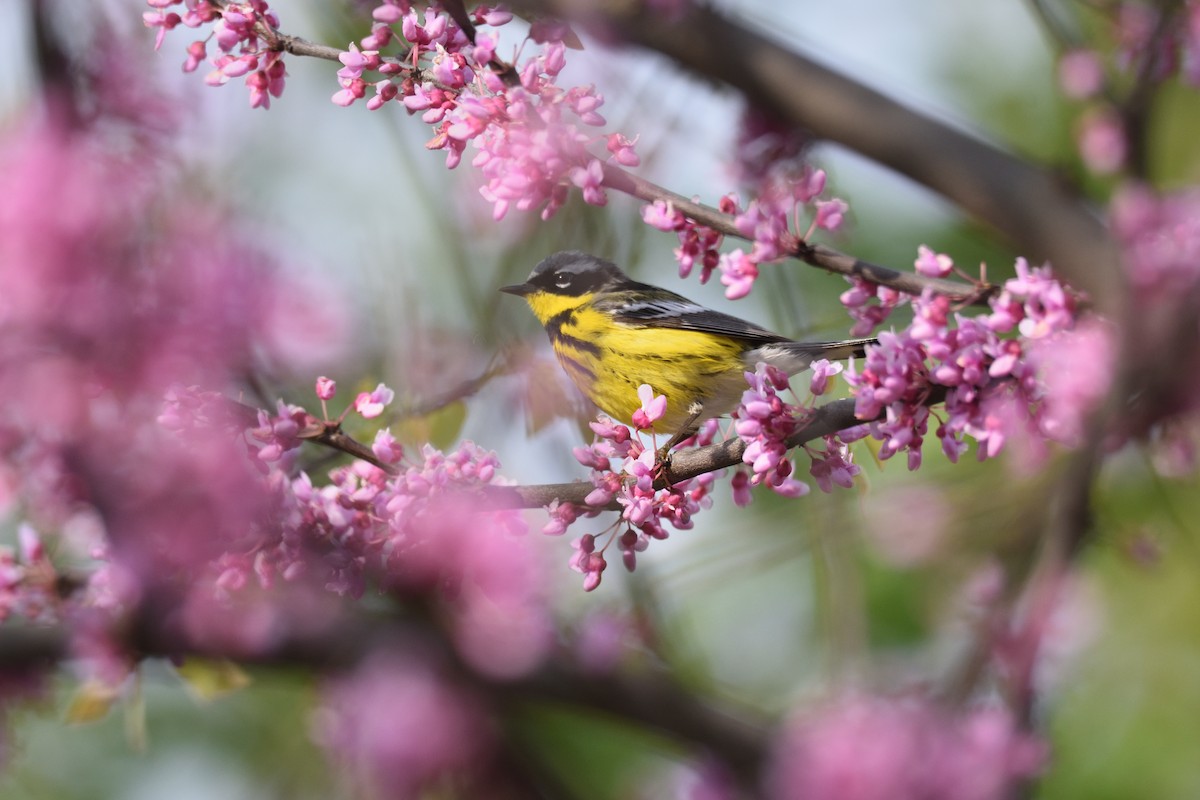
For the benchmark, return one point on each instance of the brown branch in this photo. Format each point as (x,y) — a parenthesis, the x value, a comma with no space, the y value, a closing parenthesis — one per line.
(296,46)
(460,391)
(684,465)
(1135,110)
(331,434)
(832,417)
(817,255)
(1031,205)
(648,696)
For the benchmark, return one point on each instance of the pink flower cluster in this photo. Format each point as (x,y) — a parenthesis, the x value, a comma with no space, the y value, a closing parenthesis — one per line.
(765,221)
(632,484)
(906,748)
(990,385)
(1149,49)
(28,579)
(1160,236)
(112,295)
(418,530)
(403,728)
(698,244)
(765,422)
(1178,50)
(241,30)
(531,134)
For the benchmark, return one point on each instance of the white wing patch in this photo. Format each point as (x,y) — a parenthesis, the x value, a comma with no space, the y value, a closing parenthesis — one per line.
(660,309)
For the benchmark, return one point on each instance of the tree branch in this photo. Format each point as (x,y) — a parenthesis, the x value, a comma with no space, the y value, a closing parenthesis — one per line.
(1032,206)
(684,465)
(817,255)
(648,696)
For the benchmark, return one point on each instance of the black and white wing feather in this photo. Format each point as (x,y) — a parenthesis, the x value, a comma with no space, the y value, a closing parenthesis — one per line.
(663,309)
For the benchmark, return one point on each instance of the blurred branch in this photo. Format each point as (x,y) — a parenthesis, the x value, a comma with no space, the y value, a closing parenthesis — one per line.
(1136,109)
(1028,204)
(649,696)
(817,255)
(460,391)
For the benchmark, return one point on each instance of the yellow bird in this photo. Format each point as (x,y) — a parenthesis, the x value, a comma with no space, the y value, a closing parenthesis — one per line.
(612,334)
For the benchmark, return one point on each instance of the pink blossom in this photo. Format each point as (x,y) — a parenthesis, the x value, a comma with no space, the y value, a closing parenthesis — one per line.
(1080,73)
(765,221)
(822,372)
(197,52)
(622,150)
(662,215)
(934,265)
(738,273)
(588,562)
(868,315)
(990,385)
(863,748)
(326,388)
(652,410)
(1076,368)
(835,465)
(1102,143)
(355,62)
(386,448)
(371,404)
(625,470)
(1160,236)
(812,184)
(830,214)
(591,180)
(765,422)
(697,244)
(400,726)
(389,12)
(561,517)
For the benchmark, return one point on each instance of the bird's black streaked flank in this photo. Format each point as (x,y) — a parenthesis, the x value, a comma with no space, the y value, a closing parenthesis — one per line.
(611,334)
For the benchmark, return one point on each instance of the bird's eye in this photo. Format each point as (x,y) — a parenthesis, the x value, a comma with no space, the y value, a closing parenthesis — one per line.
(562,280)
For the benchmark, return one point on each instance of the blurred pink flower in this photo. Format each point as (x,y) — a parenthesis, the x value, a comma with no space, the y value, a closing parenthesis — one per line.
(860,747)
(1102,142)
(1081,73)
(907,525)
(401,728)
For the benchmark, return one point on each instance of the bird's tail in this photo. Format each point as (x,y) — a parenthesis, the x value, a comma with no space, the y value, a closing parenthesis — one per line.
(793,357)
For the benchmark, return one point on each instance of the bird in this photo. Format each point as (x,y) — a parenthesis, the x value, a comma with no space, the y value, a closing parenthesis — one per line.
(612,334)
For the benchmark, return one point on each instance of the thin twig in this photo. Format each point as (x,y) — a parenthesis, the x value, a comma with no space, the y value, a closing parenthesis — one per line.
(1046,218)
(817,255)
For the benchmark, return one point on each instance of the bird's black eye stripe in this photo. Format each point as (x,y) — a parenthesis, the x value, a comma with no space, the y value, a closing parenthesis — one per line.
(574,273)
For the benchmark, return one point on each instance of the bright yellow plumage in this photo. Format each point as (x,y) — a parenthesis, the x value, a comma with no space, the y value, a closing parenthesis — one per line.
(612,334)
(609,360)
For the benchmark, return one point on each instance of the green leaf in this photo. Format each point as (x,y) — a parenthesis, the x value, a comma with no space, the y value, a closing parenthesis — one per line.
(440,428)
(91,703)
(208,680)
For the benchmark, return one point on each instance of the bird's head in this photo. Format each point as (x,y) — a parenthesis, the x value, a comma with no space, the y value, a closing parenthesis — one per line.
(571,273)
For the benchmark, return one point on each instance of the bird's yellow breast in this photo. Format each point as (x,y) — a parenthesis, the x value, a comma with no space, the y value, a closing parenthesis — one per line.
(608,361)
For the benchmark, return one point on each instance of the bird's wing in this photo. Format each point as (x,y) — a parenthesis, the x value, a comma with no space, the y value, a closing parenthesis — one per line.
(666,309)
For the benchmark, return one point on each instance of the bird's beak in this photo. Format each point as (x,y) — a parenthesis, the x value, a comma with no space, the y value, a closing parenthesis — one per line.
(519,289)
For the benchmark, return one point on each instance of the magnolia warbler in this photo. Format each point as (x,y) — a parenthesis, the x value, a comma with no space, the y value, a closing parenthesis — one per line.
(612,334)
